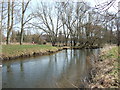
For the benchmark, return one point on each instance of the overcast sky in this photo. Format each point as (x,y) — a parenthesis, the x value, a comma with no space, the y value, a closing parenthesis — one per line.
(93,3)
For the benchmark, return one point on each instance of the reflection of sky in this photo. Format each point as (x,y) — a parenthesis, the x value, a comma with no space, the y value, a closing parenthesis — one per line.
(46,70)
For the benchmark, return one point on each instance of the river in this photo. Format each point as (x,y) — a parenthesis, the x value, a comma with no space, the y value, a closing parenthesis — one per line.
(65,69)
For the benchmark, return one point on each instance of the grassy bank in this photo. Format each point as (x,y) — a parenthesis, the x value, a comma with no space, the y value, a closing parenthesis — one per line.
(106,69)
(16,51)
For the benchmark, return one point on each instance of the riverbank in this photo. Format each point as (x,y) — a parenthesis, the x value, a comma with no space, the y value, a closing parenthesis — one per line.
(105,73)
(21,51)
(88,47)
(14,51)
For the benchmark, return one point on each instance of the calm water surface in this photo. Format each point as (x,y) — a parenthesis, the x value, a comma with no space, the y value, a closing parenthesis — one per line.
(64,69)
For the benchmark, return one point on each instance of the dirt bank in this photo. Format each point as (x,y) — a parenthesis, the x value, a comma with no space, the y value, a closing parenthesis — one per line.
(106,70)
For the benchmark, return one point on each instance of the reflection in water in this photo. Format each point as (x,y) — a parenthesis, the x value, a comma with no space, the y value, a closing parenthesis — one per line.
(64,69)
(8,68)
(21,66)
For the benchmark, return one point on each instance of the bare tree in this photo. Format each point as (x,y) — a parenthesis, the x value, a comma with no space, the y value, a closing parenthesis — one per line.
(118,24)
(47,21)
(1,21)
(62,7)
(23,22)
(10,21)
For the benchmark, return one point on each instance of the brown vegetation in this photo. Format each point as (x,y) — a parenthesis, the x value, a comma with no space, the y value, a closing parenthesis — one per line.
(105,71)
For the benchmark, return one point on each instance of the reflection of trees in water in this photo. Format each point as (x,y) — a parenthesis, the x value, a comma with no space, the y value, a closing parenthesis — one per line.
(92,55)
(64,67)
(9,67)
(78,65)
(75,68)
(55,58)
(21,66)
(66,56)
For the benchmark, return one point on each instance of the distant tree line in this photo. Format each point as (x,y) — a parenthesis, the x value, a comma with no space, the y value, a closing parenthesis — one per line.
(63,23)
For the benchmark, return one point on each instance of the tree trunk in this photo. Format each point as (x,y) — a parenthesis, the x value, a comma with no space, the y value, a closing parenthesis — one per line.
(118,25)
(8,24)
(22,25)
(1,22)
(9,27)
(66,41)
(24,7)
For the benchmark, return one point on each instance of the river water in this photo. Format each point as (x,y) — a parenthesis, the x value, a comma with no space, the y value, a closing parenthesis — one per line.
(65,69)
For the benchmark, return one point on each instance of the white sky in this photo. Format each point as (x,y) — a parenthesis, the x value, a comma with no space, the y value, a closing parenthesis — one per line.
(113,8)
(93,3)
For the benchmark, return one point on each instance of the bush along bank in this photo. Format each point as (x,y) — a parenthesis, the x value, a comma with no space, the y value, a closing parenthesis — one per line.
(21,51)
(105,73)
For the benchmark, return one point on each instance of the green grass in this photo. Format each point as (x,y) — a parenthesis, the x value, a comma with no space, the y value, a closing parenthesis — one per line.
(112,53)
(15,50)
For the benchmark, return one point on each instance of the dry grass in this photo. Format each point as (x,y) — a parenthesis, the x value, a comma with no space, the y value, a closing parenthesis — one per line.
(105,73)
